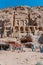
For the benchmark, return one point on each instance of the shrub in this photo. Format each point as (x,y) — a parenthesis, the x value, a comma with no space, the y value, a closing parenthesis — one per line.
(39,63)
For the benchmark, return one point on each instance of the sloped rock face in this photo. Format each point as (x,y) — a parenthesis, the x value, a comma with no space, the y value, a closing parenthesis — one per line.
(6,17)
(10,14)
(36,16)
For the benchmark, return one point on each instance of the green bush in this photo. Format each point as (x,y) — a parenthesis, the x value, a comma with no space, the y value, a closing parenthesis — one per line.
(39,63)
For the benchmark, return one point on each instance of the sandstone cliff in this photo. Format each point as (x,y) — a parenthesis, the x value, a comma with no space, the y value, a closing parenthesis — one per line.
(17,20)
(35,14)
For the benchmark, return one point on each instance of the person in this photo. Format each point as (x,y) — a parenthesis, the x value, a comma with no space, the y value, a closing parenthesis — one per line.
(32,47)
(21,48)
(41,48)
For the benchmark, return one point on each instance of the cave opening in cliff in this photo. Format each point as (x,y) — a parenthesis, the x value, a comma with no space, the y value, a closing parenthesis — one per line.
(17,28)
(21,29)
(35,24)
(28,45)
(40,29)
(4,47)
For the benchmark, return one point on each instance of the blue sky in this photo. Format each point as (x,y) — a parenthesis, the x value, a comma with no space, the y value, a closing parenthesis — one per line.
(9,3)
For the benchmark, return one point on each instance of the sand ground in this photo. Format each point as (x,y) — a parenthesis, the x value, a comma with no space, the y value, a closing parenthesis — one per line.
(21,58)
